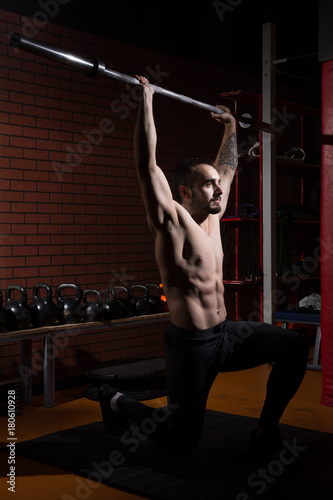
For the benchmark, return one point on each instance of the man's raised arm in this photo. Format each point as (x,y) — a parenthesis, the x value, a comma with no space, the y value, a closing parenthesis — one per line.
(155,189)
(227,157)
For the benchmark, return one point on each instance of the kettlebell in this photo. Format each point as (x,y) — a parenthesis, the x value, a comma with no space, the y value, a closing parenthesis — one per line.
(156,305)
(67,306)
(43,309)
(111,305)
(139,303)
(123,300)
(2,314)
(18,315)
(91,310)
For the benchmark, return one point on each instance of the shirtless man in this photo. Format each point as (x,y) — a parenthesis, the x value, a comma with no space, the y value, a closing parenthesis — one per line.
(201,341)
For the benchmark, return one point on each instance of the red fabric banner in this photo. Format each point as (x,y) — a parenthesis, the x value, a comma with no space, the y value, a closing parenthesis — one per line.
(327,234)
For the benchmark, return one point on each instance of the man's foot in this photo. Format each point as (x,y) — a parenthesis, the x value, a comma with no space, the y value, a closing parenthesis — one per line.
(114,422)
(265,447)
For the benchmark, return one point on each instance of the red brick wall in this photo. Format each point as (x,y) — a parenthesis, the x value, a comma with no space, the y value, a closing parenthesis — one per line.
(70,208)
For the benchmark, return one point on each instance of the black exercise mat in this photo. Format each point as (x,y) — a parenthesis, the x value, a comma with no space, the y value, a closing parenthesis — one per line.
(218,469)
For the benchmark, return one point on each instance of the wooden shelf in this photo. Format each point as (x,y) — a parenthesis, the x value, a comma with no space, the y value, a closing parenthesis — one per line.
(49,333)
(301,221)
(240,219)
(292,278)
(241,282)
(299,165)
(31,333)
(232,282)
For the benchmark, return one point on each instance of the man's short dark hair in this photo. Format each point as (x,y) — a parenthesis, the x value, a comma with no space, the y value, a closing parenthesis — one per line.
(184,175)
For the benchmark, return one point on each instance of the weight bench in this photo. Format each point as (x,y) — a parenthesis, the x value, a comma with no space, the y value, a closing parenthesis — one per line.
(287,317)
(141,380)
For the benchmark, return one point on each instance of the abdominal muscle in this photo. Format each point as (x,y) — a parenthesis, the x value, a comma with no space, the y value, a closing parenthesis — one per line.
(194,310)
(190,263)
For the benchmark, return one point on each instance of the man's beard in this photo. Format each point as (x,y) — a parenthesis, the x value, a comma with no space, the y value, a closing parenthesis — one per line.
(209,207)
(214,208)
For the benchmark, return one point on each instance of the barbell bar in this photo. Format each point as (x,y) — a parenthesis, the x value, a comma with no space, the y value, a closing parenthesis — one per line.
(95,67)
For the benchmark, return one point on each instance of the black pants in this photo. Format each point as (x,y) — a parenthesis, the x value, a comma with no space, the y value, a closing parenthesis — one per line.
(193,360)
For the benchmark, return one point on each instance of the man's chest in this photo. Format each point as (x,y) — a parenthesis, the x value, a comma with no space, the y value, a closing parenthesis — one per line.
(198,250)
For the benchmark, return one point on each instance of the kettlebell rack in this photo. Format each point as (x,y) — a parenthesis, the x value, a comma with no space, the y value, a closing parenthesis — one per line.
(49,333)
(120,302)
(72,315)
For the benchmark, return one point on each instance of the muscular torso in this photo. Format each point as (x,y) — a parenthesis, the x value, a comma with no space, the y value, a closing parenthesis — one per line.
(190,262)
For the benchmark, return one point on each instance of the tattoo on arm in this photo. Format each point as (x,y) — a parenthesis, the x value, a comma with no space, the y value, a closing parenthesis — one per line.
(228,154)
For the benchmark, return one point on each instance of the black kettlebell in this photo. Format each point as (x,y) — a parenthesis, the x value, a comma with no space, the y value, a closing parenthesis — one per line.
(43,309)
(123,300)
(91,310)
(67,306)
(18,315)
(2,314)
(156,305)
(111,305)
(139,303)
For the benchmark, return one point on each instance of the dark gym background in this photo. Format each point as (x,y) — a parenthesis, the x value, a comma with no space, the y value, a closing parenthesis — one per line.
(89,227)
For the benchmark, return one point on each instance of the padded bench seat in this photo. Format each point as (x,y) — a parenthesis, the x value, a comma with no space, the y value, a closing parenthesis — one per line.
(303,318)
(143,379)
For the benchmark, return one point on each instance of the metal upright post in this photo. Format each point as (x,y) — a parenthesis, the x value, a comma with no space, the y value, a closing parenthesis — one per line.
(268,174)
